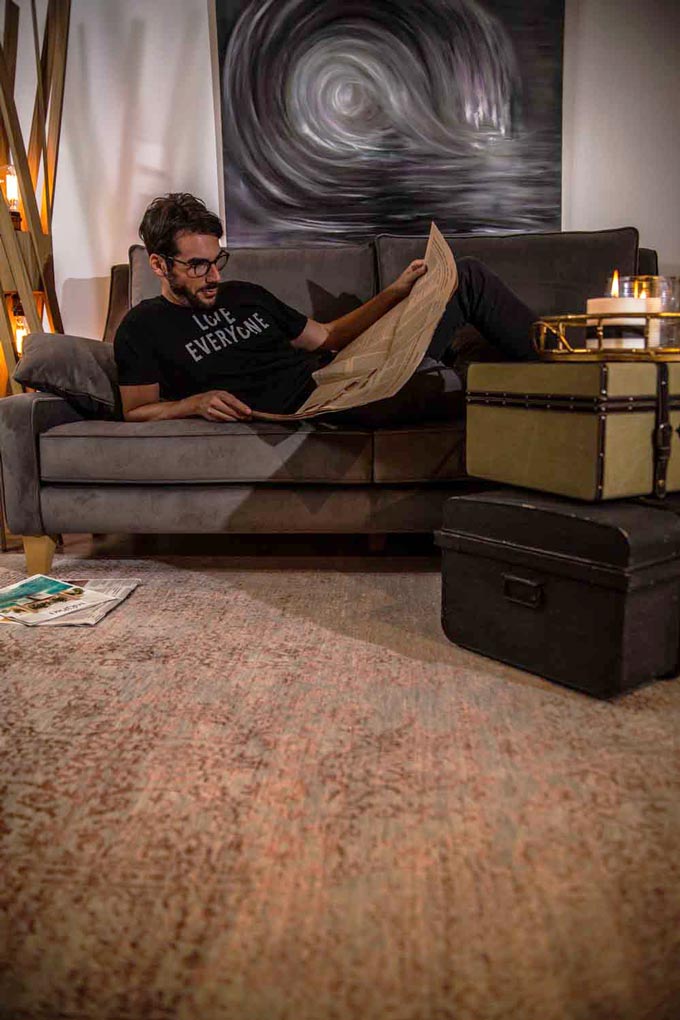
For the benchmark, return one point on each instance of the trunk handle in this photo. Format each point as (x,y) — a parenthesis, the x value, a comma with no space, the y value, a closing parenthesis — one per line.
(523,591)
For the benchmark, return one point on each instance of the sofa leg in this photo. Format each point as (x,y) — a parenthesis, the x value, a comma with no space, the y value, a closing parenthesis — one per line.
(39,550)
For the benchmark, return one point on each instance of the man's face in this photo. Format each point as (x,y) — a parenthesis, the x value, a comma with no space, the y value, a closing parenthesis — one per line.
(179,285)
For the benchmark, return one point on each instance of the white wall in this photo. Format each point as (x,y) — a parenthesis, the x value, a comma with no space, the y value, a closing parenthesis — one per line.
(139,121)
(621,125)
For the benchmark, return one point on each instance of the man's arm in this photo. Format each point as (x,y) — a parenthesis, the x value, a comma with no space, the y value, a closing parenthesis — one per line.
(143,403)
(333,336)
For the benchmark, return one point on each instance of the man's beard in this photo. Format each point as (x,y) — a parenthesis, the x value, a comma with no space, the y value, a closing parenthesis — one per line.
(195,298)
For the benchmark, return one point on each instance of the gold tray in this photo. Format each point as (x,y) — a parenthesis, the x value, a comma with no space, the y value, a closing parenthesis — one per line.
(555,327)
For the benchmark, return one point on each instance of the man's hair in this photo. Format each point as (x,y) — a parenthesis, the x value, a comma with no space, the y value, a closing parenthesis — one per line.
(174,214)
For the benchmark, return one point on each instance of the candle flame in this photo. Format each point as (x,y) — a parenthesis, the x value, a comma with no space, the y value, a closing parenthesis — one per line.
(615,284)
(11,187)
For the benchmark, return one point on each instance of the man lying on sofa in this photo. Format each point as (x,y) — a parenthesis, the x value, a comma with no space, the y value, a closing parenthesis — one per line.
(217,350)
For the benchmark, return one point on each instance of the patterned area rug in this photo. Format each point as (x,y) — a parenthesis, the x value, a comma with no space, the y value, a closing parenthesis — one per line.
(261,793)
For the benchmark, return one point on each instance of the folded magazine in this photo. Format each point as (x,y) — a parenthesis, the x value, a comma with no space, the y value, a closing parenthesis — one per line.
(46,601)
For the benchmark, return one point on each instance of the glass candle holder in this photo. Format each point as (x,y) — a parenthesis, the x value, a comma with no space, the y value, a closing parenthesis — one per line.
(670,302)
(636,286)
(637,296)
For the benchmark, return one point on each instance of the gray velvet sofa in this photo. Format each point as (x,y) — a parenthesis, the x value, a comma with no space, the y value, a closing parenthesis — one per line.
(67,465)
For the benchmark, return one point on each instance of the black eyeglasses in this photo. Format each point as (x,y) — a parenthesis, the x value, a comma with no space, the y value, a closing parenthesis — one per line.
(201,267)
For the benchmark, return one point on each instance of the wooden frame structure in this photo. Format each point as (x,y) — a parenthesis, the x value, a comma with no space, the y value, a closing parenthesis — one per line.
(29,254)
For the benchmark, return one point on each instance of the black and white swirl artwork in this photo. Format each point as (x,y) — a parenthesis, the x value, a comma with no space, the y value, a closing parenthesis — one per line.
(347,118)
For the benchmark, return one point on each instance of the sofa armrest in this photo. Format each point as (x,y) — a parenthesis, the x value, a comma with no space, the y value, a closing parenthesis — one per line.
(119,300)
(22,419)
(648,262)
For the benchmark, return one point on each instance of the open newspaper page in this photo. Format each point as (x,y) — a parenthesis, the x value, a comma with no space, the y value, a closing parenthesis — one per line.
(40,599)
(381,359)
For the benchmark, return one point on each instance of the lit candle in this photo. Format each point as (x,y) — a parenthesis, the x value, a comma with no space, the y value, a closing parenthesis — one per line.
(640,304)
(20,334)
(11,188)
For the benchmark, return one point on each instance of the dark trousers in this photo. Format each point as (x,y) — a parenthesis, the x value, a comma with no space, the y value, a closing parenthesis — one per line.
(436,392)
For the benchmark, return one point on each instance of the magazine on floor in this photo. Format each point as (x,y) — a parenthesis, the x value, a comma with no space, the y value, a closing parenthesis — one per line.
(41,601)
(116,588)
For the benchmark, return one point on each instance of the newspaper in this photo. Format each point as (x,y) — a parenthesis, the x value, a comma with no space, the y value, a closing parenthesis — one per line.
(378,362)
(42,601)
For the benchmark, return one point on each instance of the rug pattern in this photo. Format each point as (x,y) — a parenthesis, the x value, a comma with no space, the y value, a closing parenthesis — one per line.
(282,794)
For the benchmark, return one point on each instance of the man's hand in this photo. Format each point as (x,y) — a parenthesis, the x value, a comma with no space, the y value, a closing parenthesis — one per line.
(403,284)
(333,336)
(218,405)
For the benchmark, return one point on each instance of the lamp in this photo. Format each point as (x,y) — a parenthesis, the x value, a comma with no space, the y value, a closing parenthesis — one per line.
(10,187)
(19,326)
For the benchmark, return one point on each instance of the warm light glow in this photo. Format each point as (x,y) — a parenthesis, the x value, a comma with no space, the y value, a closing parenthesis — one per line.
(615,284)
(11,187)
(20,333)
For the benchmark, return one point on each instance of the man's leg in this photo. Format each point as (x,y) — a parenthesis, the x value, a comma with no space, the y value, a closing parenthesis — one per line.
(436,392)
(484,301)
(433,393)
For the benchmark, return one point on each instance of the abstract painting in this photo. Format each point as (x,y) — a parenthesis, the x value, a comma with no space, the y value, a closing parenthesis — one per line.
(343,119)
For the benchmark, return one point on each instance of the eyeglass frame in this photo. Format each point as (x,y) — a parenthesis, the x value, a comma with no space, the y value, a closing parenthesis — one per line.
(193,263)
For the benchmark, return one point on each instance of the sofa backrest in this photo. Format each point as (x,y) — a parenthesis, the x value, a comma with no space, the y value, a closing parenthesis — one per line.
(553,273)
(323,282)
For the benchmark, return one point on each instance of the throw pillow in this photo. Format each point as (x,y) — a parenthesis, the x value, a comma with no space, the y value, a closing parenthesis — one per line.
(81,371)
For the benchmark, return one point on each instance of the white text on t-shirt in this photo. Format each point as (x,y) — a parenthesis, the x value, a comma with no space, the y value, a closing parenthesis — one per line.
(232,332)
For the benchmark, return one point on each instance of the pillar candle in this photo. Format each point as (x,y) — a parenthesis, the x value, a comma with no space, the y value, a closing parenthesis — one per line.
(640,305)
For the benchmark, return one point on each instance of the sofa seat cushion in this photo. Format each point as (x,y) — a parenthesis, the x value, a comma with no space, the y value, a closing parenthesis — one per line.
(553,273)
(419,453)
(194,450)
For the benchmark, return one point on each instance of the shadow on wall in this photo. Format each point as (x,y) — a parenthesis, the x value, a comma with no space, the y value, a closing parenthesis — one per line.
(85,303)
(90,128)
(131,132)
(148,160)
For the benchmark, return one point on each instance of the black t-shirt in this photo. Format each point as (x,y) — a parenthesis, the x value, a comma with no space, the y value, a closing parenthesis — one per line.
(241,344)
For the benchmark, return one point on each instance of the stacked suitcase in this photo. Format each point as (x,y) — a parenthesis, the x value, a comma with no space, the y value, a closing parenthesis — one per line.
(603,430)
(584,593)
